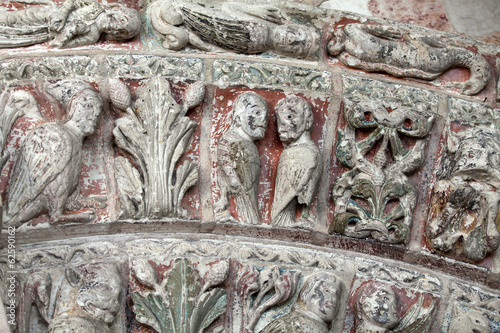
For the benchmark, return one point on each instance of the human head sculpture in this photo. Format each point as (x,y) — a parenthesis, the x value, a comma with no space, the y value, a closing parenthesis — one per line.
(119,22)
(376,306)
(250,115)
(294,117)
(82,103)
(295,40)
(321,295)
(476,152)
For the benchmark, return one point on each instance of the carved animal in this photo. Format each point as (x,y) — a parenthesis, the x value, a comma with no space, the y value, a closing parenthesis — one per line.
(300,164)
(238,158)
(470,321)
(74,23)
(403,53)
(47,169)
(239,27)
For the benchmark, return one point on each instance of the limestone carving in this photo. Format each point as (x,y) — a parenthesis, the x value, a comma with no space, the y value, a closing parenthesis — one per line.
(465,203)
(378,310)
(316,307)
(361,194)
(402,53)
(46,172)
(238,159)
(86,299)
(300,165)
(258,291)
(179,302)
(239,27)
(155,138)
(74,23)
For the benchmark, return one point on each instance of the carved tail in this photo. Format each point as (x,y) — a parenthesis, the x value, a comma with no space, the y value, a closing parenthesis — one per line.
(480,72)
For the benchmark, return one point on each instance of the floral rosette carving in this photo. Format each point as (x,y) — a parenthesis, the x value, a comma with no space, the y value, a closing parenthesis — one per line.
(375,198)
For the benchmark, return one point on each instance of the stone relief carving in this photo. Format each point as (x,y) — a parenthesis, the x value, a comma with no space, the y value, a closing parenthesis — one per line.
(257,291)
(472,310)
(86,299)
(179,302)
(362,194)
(71,24)
(378,309)
(95,67)
(155,138)
(473,113)
(226,72)
(46,173)
(300,165)
(235,26)
(464,209)
(238,160)
(402,53)
(316,307)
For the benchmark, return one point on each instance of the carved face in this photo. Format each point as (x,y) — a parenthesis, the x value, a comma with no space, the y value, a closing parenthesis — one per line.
(294,117)
(380,308)
(323,301)
(252,112)
(119,23)
(85,112)
(295,40)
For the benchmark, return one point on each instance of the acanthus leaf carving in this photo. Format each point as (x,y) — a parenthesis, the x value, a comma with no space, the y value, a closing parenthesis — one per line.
(362,194)
(179,303)
(155,138)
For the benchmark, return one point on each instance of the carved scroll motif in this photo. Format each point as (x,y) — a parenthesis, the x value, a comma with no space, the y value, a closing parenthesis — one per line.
(179,302)
(464,209)
(72,24)
(155,138)
(375,198)
(402,53)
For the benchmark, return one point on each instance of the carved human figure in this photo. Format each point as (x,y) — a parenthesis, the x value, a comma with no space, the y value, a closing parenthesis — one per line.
(402,53)
(238,159)
(316,307)
(86,300)
(238,27)
(376,308)
(46,173)
(300,164)
(468,195)
(74,23)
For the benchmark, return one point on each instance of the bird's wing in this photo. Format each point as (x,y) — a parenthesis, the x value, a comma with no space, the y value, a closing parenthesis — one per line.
(295,176)
(43,155)
(225,33)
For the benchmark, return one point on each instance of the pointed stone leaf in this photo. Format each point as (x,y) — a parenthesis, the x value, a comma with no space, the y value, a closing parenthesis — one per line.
(211,306)
(182,287)
(150,310)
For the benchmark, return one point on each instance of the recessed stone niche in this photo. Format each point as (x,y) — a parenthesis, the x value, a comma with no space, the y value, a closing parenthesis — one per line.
(245,167)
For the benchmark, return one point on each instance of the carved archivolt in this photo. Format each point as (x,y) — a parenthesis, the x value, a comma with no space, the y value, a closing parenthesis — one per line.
(282,181)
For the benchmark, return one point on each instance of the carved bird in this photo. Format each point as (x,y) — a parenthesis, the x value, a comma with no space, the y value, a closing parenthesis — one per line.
(47,169)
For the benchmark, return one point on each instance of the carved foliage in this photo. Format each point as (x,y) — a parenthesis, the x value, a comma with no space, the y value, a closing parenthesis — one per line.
(365,195)
(155,139)
(258,291)
(179,303)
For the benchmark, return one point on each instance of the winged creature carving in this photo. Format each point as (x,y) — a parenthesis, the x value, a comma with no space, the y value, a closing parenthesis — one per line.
(46,171)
